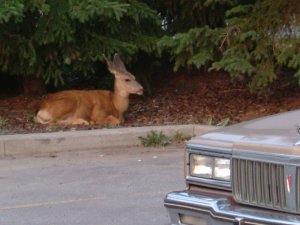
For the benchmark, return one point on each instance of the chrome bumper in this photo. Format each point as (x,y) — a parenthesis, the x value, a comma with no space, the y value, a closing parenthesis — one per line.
(186,207)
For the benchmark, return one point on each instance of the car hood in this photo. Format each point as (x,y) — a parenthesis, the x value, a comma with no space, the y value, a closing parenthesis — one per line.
(277,134)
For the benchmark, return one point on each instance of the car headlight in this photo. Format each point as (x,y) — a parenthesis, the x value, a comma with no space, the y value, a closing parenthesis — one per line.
(210,167)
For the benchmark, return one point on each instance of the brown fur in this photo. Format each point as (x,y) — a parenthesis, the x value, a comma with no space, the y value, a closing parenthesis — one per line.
(88,107)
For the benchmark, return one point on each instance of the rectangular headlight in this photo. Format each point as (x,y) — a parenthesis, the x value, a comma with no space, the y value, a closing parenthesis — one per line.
(201,166)
(210,167)
(222,169)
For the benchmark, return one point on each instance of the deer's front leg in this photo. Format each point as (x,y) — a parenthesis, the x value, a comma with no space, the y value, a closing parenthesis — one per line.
(74,121)
(107,120)
(112,120)
(99,116)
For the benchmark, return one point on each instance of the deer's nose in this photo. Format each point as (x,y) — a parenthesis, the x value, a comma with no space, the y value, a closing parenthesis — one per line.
(140,91)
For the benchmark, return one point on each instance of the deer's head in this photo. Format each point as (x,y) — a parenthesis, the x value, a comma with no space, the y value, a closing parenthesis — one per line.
(125,82)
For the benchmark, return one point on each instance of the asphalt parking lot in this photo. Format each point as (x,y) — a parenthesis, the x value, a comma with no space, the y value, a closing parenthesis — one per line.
(106,187)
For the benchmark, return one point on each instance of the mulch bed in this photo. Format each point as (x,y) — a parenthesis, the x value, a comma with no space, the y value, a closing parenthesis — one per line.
(208,98)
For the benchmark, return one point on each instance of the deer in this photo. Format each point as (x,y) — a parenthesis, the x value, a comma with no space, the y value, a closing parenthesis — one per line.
(84,107)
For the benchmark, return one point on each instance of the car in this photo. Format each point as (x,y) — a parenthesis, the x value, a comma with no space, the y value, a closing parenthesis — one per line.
(248,173)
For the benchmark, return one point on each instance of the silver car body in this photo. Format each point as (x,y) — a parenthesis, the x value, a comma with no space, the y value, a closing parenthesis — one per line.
(265,175)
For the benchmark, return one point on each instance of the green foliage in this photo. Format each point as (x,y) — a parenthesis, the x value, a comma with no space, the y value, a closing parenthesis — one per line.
(258,44)
(30,117)
(111,126)
(3,122)
(222,123)
(87,10)
(159,139)
(289,54)
(52,128)
(186,51)
(251,41)
(155,139)
(39,38)
(11,10)
(180,137)
(181,15)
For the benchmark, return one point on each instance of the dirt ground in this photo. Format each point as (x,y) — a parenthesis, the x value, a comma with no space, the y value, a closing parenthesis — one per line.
(182,99)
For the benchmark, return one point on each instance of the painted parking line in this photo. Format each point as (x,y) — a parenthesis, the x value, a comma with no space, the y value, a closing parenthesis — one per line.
(78,200)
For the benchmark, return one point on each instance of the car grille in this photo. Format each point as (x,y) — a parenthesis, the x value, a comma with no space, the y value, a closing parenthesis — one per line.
(298,189)
(259,183)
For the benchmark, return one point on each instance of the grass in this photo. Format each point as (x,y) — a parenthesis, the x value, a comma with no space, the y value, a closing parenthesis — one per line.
(180,137)
(3,123)
(222,123)
(52,128)
(30,117)
(111,126)
(155,139)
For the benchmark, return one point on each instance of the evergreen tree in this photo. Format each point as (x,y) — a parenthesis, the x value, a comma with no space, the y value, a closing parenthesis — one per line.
(40,37)
(251,40)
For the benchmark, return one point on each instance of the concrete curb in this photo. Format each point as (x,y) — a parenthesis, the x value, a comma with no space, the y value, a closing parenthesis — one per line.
(87,139)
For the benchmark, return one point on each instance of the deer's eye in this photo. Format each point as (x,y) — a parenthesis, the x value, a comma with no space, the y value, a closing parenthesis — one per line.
(127,80)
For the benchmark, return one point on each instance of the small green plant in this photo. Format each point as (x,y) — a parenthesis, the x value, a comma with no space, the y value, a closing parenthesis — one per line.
(180,137)
(52,128)
(210,121)
(3,131)
(3,121)
(223,123)
(111,126)
(30,117)
(155,139)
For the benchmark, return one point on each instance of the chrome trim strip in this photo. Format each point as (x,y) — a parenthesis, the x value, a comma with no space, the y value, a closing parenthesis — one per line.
(225,209)
(224,185)
(209,149)
(298,188)
(211,214)
(266,157)
(200,210)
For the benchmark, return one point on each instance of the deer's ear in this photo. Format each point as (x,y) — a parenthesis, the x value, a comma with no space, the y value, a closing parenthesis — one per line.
(118,63)
(110,67)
